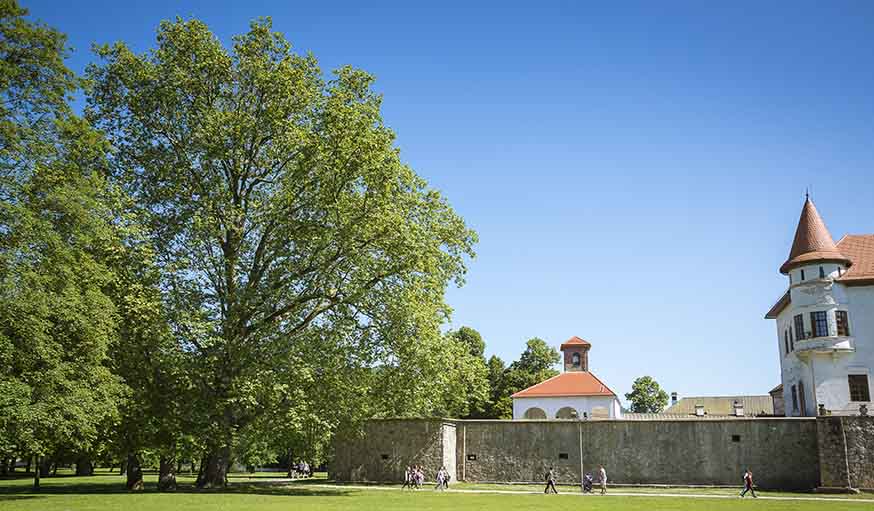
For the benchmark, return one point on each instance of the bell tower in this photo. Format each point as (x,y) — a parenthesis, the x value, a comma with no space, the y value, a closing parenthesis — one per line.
(575,352)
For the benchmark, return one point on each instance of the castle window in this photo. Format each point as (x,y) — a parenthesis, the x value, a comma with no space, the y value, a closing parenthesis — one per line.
(791,340)
(786,341)
(859,387)
(802,274)
(821,273)
(794,398)
(802,398)
(819,324)
(843,323)
(799,327)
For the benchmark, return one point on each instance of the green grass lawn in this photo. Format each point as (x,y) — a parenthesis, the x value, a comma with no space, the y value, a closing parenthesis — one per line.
(106,492)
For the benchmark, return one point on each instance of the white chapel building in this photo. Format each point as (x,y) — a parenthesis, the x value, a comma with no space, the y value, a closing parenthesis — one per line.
(575,393)
(825,320)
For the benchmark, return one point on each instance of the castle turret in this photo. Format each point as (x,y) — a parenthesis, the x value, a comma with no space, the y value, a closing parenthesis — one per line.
(813,244)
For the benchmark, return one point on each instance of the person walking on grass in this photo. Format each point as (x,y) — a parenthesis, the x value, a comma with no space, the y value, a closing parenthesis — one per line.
(550,481)
(408,478)
(420,476)
(748,485)
(603,474)
(441,476)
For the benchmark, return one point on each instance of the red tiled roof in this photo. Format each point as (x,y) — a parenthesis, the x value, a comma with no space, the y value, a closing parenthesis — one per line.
(569,384)
(859,248)
(574,341)
(812,241)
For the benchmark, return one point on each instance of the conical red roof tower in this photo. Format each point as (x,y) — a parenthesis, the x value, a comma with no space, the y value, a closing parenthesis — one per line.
(813,242)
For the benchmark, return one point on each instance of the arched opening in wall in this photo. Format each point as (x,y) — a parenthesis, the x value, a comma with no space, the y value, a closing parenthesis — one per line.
(600,412)
(535,413)
(566,413)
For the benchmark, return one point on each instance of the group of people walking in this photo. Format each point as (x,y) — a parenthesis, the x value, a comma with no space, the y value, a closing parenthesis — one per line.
(588,481)
(414,477)
(300,470)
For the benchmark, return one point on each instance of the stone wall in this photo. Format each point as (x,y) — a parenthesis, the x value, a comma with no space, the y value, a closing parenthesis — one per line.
(387,447)
(846,451)
(781,452)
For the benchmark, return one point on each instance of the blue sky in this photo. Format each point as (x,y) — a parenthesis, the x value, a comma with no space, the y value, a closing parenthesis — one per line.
(635,170)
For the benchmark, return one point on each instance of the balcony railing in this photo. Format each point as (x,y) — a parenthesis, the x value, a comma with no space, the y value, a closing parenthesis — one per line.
(830,343)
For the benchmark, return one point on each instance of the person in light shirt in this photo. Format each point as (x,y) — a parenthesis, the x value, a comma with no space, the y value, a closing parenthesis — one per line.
(603,475)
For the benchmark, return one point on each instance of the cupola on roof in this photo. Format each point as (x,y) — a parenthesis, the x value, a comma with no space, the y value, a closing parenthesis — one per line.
(575,342)
(813,242)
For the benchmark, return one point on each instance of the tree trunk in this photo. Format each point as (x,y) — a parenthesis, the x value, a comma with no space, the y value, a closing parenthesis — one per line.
(290,464)
(27,467)
(200,469)
(122,468)
(55,469)
(45,467)
(214,471)
(167,474)
(84,466)
(36,462)
(12,462)
(4,467)
(134,473)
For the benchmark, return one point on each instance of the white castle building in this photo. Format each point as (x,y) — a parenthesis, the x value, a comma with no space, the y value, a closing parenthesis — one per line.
(825,320)
(575,393)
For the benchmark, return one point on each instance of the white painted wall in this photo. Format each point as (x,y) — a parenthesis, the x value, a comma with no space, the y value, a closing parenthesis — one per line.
(582,404)
(824,369)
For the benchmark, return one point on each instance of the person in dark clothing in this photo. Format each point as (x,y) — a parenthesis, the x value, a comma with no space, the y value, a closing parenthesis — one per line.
(408,478)
(550,481)
(588,482)
(748,484)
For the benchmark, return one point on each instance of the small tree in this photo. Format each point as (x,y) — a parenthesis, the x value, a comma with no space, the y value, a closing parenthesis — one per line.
(647,396)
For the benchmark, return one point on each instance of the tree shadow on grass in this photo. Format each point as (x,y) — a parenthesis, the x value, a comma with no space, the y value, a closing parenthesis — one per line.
(115,485)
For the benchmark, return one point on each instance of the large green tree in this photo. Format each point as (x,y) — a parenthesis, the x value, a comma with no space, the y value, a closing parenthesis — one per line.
(57,241)
(647,396)
(282,218)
